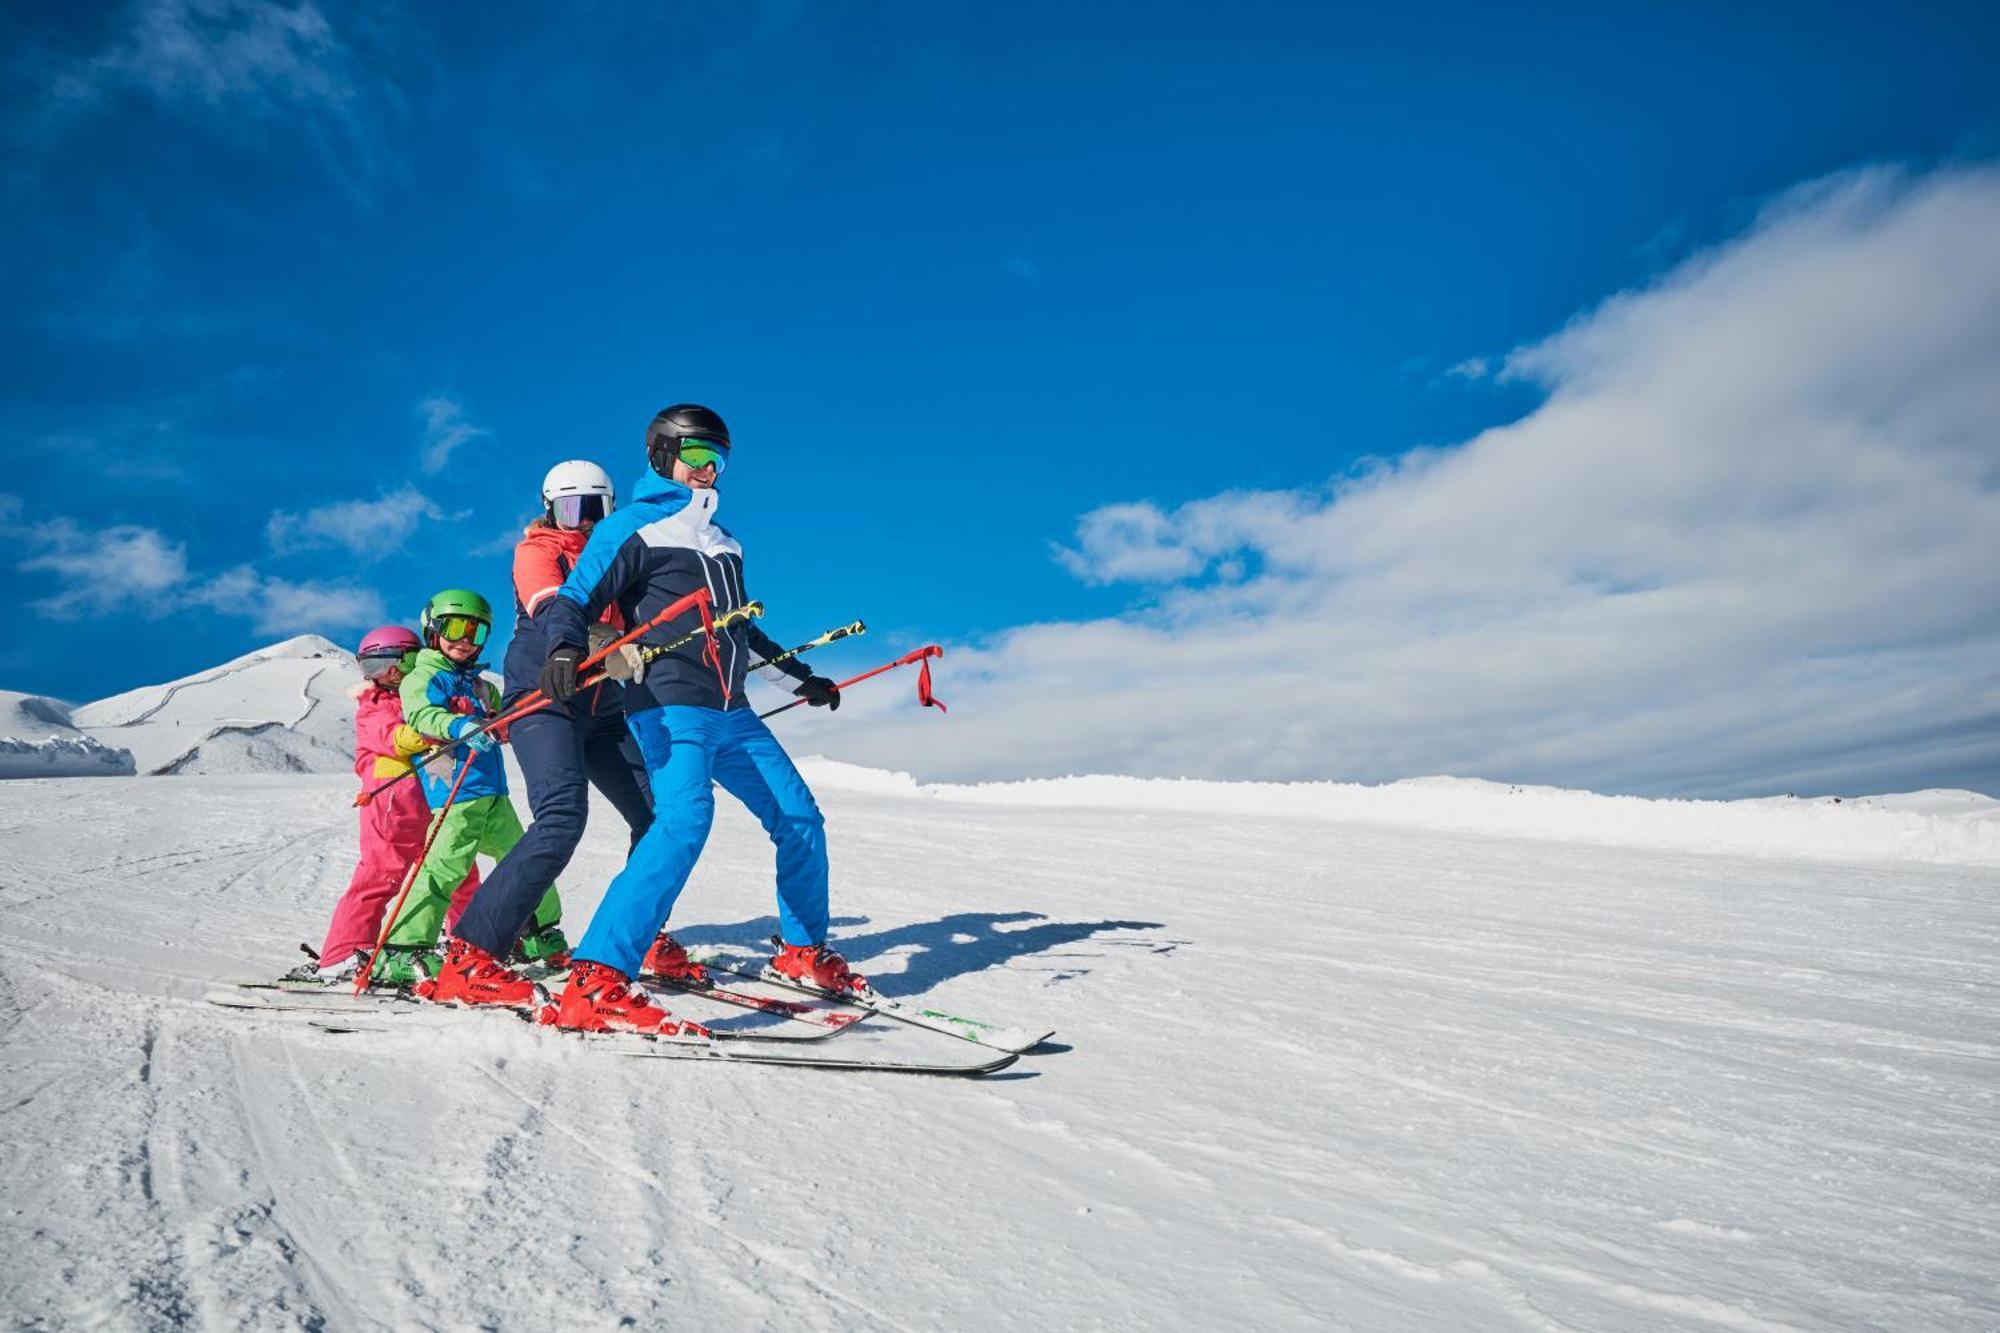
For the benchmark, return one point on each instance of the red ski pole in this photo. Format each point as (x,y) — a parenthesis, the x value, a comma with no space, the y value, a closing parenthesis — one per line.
(409,880)
(922,654)
(699,597)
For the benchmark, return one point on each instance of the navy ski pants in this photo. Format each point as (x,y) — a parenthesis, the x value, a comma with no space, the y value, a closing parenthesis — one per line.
(561,758)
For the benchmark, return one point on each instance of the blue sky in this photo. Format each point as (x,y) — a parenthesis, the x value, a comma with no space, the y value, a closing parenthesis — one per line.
(305,298)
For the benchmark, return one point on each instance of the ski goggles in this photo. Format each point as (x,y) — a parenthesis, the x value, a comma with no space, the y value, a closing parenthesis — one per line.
(573,511)
(698,454)
(455,628)
(377,665)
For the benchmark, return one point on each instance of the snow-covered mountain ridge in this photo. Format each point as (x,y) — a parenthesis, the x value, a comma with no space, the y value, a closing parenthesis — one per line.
(39,739)
(283,708)
(1945,827)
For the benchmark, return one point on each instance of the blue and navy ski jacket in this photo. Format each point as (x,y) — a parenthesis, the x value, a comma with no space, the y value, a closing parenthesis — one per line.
(646,556)
(437,694)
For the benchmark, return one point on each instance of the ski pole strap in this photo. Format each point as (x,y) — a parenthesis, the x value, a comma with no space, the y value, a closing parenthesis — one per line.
(831,636)
(712,654)
(924,695)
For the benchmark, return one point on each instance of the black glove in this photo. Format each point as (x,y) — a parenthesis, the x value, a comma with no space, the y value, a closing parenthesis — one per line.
(559,673)
(819,692)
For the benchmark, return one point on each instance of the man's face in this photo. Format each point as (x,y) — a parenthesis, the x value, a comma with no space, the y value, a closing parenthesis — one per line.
(700,462)
(702,480)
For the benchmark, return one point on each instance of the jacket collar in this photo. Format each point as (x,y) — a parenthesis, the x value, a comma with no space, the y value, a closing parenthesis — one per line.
(697,505)
(569,541)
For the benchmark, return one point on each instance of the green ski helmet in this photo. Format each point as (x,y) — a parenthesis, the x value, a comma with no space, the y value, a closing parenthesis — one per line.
(457,613)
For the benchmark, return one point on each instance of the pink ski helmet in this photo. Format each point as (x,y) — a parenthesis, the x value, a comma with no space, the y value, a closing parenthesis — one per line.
(384,649)
(387,641)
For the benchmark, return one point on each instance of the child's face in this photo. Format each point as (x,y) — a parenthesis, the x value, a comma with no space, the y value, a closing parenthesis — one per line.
(389,678)
(459,650)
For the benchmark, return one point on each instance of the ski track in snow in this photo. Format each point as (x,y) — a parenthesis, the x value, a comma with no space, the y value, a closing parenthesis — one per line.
(1307,1074)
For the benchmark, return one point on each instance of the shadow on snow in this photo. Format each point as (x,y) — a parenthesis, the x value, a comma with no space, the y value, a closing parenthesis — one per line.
(936,951)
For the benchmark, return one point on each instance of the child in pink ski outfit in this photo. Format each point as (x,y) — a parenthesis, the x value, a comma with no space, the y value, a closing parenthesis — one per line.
(393,825)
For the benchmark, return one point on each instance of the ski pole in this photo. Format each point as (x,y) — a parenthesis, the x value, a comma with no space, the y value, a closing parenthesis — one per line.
(831,636)
(410,880)
(923,654)
(747,611)
(536,702)
(699,597)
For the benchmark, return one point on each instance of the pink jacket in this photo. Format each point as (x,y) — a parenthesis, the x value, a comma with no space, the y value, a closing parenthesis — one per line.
(377,714)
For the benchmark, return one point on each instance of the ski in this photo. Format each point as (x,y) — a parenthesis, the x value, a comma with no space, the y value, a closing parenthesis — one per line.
(934,1020)
(739,1049)
(313,998)
(823,1011)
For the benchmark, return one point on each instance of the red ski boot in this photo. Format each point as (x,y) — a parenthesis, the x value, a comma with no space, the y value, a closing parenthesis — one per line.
(602,999)
(816,965)
(670,962)
(470,975)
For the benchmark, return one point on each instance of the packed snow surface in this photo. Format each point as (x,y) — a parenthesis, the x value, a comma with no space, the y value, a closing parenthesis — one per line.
(38,739)
(281,709)
(1313,1068)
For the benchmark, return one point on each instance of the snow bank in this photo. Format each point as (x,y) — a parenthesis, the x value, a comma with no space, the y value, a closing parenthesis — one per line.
(284,708)
(1934,826)
(38,739)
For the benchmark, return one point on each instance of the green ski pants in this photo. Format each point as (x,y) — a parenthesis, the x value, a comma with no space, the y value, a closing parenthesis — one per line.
(486,826)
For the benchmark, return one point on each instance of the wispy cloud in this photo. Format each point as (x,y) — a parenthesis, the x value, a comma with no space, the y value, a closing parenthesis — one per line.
(1749,542)
(137,571)
(446,427)
(125,567)
(281,606)
(368,529)
(245,68)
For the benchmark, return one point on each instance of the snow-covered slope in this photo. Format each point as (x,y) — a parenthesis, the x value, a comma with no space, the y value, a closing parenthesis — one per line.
(282,709)
(38,739)
(1937,825)
(1312,1071)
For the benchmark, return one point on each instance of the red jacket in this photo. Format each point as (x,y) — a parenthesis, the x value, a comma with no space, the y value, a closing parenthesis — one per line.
(542,561)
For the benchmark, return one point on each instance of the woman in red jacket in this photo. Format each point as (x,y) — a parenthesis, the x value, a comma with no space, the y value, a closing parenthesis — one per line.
(563,750)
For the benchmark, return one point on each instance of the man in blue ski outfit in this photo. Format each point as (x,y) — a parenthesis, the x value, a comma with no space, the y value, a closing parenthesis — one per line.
(693,725)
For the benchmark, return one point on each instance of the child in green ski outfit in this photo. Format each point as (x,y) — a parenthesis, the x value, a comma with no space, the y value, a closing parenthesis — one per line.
(446,698)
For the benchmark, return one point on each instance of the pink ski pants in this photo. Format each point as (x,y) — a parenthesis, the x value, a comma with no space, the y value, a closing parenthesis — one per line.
(392,833)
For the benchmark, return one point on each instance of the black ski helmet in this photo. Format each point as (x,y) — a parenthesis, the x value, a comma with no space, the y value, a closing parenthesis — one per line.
(682,421)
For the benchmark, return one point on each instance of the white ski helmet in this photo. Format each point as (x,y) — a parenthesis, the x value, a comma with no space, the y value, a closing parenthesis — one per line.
(576,492)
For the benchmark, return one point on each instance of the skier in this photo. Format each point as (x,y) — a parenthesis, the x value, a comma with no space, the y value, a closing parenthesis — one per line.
(446,699)
(694,727)
(563,750)
(392,828)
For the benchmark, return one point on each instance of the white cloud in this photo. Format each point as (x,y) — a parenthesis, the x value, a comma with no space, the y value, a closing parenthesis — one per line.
(123,568)
(280,606)
(129,570)
(446,427)
(1749,542)
(367,528)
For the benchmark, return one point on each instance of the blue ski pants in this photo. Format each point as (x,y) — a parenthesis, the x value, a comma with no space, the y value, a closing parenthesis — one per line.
(562,758)
(688,750)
